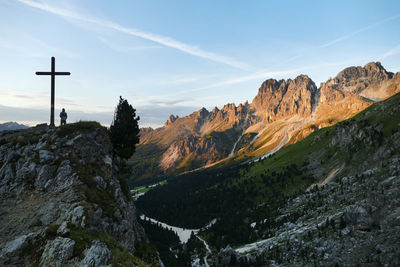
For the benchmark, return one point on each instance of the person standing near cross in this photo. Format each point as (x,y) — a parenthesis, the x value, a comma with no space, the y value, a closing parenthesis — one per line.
(63,116)
(52,74)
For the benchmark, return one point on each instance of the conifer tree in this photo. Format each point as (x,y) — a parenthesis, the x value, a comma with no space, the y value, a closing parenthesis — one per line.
(124,131)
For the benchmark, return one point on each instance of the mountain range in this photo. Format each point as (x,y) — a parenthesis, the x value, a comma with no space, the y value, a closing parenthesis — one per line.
(11,126)
(283,112)
(331,199)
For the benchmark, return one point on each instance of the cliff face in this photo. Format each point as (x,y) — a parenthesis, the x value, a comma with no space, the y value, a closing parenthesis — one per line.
(283,112)
(280,99)
(349,92)
(62,203)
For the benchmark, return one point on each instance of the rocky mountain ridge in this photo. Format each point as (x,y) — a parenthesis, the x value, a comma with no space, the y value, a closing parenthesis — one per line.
(63,201)
(11,126)
(283,112)
(332,199)
(351,215)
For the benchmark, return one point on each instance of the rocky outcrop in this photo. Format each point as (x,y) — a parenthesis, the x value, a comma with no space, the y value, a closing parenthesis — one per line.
(352,217)
(63,202)
(354,89)
(283,112)
(357,214)
(195,151)
(171,119)
(280,99)
(146,130)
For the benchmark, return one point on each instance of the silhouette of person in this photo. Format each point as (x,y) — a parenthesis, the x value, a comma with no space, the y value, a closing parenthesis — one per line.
(63,116)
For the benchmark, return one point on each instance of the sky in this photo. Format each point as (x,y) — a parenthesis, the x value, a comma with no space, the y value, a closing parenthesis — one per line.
(174,57)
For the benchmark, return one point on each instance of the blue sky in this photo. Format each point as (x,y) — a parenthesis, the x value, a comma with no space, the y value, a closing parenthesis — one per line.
(178,56)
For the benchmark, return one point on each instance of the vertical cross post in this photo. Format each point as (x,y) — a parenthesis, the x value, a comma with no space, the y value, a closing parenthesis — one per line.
(53,85)
(52,74)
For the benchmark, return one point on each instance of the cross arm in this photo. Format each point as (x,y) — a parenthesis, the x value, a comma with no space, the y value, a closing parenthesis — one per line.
(43,73)
(52,73)
(62,73)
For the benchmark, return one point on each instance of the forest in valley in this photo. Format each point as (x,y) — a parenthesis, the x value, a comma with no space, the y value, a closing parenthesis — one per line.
(235,196)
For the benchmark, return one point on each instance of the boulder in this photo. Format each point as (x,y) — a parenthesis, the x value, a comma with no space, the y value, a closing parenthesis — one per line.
(97,255)
(57,252)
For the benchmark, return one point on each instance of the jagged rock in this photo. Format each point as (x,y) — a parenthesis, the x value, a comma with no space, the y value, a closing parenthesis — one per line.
(46,156)
(17,244)
(26,172)
(357,221)
(107,160)
(71,142)
(59,194)
(100,181)
(63,229)
(279,99)
(97,255)
(389,181)
(284,111)
(225,255)
(45,177)
(77,215)
(12,157)
(358,217)
(171,119)
(57,252)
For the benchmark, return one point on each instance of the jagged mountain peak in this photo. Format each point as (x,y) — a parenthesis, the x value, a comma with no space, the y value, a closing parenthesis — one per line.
(172,118)
(282,112)
(215,110)
(277,99)
(273,85)
(301,77)
(146,129)
(202,113)
(372,70)
(270,85)
(229,106)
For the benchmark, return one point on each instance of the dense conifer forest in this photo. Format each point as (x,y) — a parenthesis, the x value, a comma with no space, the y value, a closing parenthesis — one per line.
(233,195)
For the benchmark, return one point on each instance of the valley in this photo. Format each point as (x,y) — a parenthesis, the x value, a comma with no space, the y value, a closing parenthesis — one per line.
(199,133)
(311,192)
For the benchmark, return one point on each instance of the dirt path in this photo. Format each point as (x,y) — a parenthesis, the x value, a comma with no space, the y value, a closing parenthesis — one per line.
(234,145)
(208,250)
(331,175)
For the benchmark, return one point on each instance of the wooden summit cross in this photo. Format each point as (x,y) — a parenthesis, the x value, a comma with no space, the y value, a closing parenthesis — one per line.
(53,74)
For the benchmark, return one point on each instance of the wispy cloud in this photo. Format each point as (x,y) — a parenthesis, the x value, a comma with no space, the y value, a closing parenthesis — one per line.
(36,46)
(260,75)
(160,39)
(394,51)
(349,35)
(182,79)
(124,48)
(68,102)
(169,102)
(20,96)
